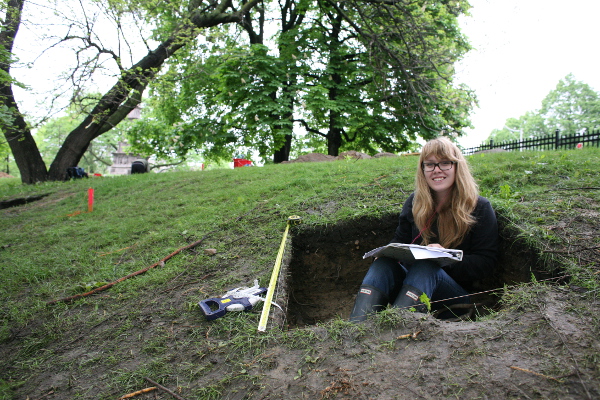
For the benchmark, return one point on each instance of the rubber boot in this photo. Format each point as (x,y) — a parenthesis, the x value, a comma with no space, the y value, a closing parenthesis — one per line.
(409,298)
(368,301)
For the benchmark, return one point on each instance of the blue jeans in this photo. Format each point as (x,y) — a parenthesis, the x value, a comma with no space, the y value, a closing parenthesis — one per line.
(388,275)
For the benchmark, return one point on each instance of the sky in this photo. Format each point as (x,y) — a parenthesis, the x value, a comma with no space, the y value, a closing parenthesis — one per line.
(522,48)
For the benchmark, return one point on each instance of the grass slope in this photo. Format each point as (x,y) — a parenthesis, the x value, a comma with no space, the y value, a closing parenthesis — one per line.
(104,346)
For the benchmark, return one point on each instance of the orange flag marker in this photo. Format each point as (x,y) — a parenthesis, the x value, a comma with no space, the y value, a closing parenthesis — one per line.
(90,199)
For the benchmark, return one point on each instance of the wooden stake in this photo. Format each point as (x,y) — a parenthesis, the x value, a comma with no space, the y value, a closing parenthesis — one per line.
(164,388)
(130,395)
(534,373)
(409,335)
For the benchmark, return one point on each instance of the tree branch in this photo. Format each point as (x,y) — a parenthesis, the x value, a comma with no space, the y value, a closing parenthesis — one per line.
(308,128)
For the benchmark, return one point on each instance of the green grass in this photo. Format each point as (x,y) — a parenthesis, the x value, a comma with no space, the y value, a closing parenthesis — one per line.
(48,253)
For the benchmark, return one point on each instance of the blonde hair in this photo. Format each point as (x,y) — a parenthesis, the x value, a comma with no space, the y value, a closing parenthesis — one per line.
(454,220)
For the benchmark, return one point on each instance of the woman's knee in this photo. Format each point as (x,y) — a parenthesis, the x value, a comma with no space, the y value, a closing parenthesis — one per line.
(424,275)
(385,274)
(426,266)
(385,265)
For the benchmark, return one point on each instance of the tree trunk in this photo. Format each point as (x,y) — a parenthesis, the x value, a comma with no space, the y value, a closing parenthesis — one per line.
(112,108)
(116,104)
(334,136)
(17,134)
(290,19)
(24,149)
(283,154)
(334,141)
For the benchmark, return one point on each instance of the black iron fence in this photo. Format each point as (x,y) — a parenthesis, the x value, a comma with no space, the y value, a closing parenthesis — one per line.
(550,142)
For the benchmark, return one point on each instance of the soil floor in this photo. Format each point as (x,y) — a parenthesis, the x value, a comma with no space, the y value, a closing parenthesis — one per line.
(540,351)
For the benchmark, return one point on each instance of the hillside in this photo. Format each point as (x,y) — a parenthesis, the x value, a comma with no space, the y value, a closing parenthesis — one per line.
(535,336)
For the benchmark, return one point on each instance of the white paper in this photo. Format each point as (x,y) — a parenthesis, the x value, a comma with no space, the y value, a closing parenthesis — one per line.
(422,254)
(412,252)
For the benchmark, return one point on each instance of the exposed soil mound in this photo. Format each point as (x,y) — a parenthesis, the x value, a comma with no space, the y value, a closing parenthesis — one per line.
(318,157)
(385,154)
(353,154)
(312,157)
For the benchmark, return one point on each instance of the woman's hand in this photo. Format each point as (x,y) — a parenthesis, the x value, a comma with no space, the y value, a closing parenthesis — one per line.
(435,245)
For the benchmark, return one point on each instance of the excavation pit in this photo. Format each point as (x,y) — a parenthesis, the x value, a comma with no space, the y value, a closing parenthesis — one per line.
(326,267)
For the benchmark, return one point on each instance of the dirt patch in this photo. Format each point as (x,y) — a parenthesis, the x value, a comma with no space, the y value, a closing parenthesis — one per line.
(319,157)
(21,201)
(541,350)
(312,157)
(327,268)
(524,354)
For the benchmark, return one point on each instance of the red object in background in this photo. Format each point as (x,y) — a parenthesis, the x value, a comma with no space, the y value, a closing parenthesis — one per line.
(90,200)
(97,175)
(240,162)
(579,145)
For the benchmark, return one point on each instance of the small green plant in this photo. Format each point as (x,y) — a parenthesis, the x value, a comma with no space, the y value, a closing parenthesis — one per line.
(505,191)
(88,286)
(388,344)
(310,359)
(298,374)
(423,298)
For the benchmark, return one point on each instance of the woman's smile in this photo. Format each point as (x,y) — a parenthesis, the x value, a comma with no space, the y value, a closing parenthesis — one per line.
(437,179)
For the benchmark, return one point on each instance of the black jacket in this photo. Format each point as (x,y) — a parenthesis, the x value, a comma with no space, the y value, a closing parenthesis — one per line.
(480,246)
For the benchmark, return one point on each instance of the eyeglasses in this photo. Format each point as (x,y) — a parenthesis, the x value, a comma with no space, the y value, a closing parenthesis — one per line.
(442,165)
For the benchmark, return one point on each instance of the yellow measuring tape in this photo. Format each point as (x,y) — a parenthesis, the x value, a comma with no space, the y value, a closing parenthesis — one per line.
(262,325)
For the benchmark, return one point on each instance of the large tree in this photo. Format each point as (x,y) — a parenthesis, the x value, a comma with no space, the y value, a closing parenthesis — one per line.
(389,74)
(573,106)
(531,124)
(184,25)
(228,95)
(365,75)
